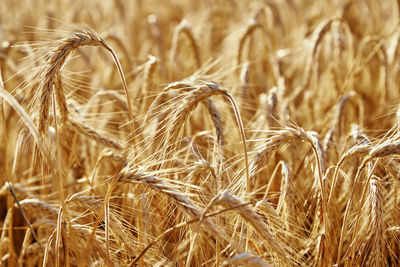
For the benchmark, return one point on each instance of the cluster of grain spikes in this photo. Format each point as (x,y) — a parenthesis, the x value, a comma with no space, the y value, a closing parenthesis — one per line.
(51,91)
(243,133)
(190,94)
(51,87)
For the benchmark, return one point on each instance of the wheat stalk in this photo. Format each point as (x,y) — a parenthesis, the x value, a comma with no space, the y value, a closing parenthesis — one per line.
(382,150)
(185,28)
(129,176)
(52,69)
(250,28)
(255,220)
(93,134)
(149,70)
(49,77)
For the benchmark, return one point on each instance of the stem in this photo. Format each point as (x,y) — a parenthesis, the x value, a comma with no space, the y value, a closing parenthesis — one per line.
(60,184)
(359,211)
(346,214)
(335,177)
(128,101)
(100,215)
(183,224)
(242,135)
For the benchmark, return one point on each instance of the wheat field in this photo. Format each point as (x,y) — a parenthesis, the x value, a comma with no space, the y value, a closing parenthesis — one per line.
(199,133)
